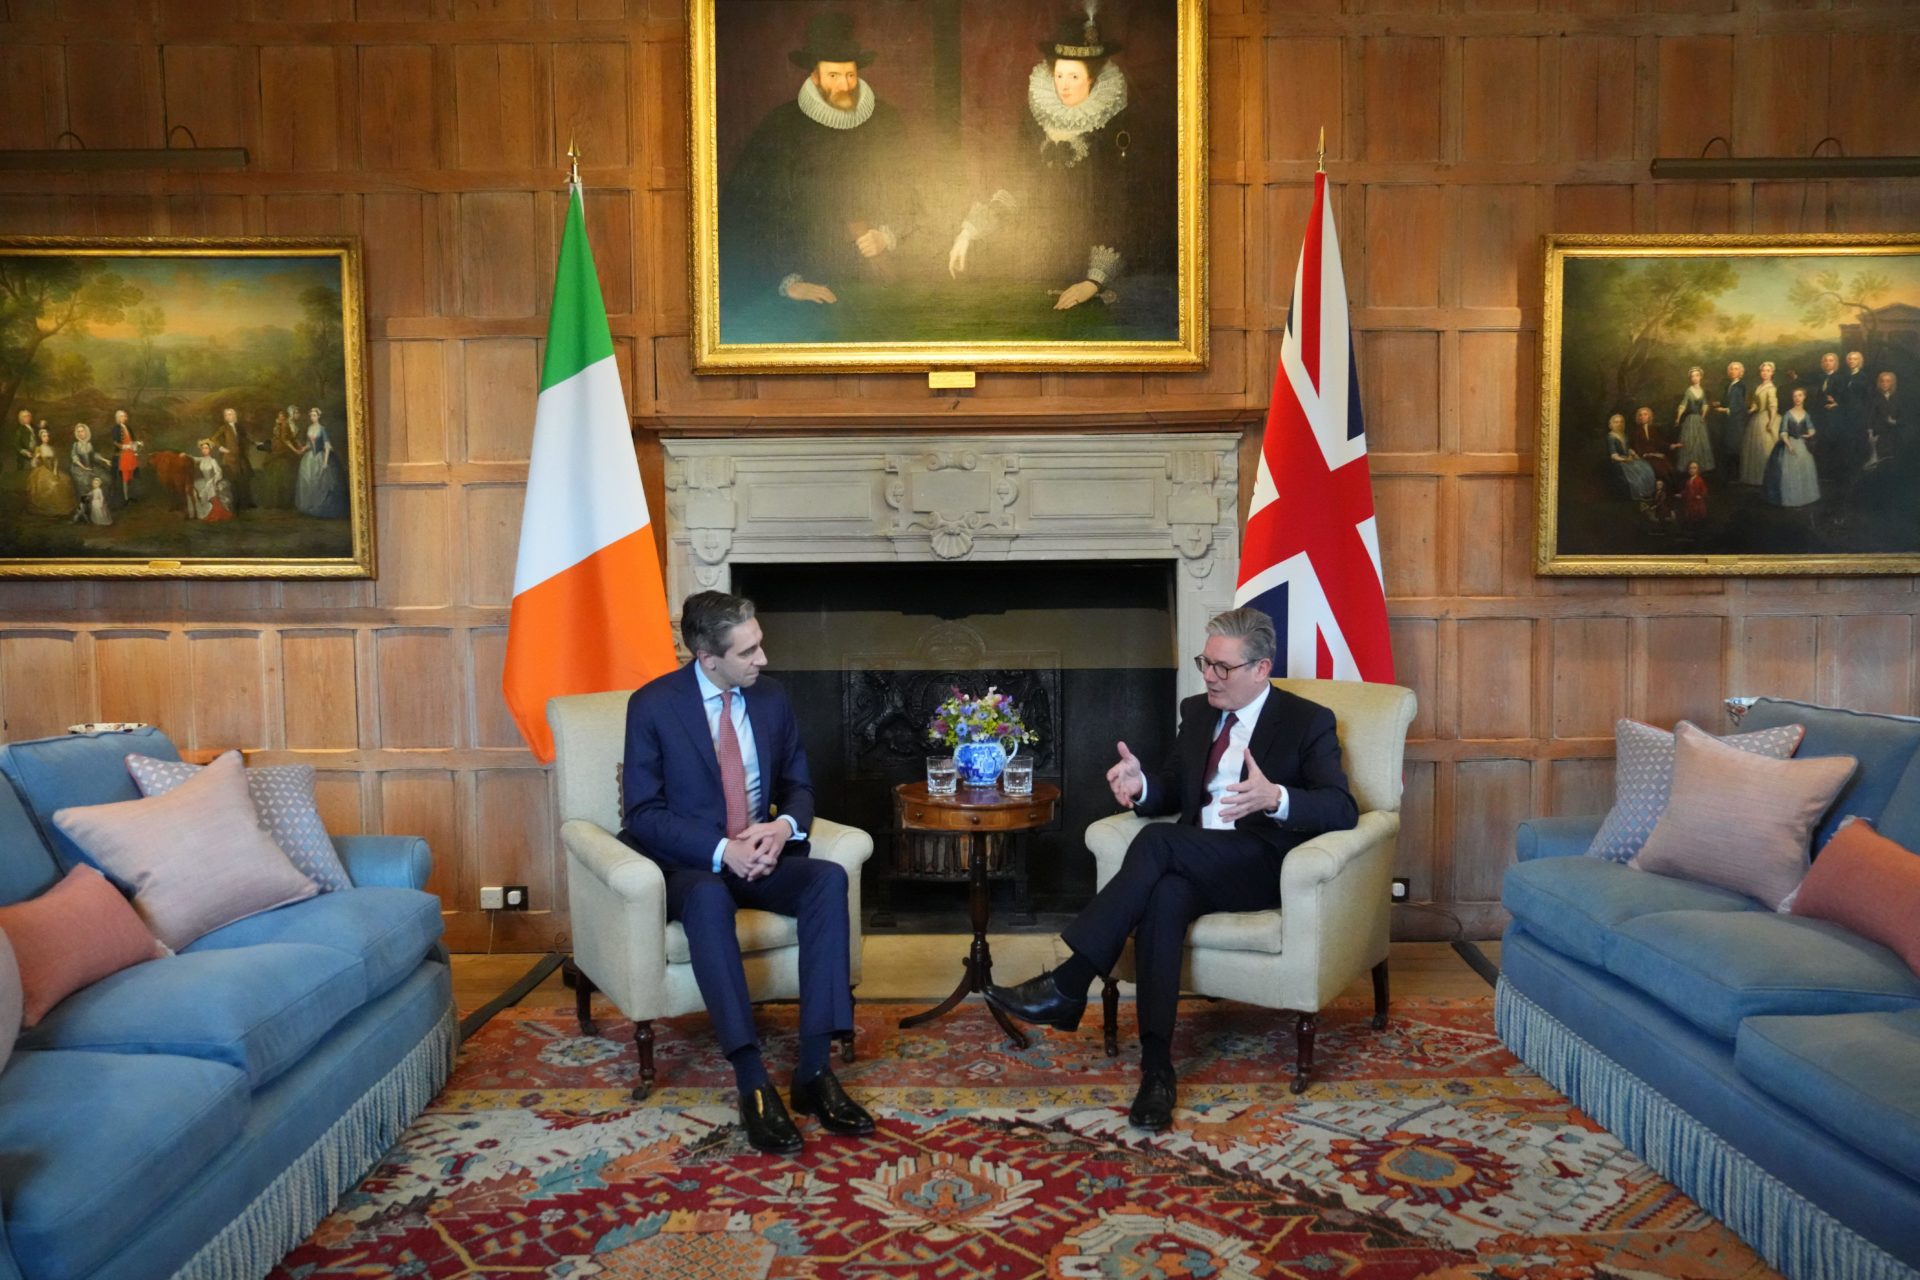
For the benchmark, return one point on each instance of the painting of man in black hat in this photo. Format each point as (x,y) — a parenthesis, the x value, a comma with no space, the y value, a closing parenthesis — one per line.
(820,195)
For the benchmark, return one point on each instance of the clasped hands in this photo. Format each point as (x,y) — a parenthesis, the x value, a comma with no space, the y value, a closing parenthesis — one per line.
(1253,794)
(756,850)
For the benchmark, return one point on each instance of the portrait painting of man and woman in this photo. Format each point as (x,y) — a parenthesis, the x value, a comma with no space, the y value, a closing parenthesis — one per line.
(905,184)
(1730,404)
(182,408)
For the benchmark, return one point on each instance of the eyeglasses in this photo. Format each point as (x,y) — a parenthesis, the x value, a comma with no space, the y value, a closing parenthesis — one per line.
(1218,670)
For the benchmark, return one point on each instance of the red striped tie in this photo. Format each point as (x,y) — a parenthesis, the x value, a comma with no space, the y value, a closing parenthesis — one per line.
(733,768)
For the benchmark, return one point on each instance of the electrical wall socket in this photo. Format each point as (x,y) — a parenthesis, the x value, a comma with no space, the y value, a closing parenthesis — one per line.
(517,897)
(1402,888)
(492,898)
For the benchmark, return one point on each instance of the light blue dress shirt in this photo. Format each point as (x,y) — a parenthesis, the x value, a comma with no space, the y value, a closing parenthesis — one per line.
(711,701)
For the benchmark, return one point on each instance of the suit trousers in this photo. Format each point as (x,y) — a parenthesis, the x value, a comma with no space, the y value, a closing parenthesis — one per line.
(1172,875)
(812,891)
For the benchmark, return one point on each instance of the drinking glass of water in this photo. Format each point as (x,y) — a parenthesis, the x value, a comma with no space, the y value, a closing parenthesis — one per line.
(1017,778)
(943,778)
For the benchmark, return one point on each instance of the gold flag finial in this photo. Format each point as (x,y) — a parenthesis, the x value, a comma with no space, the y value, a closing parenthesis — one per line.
(1320,164)
(573,161)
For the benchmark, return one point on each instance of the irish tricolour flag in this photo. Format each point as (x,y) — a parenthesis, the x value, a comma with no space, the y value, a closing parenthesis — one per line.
(589,609)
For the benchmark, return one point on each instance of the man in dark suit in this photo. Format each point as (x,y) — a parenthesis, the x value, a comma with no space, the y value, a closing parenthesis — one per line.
(1255,771)
(1733,431)
(716,792)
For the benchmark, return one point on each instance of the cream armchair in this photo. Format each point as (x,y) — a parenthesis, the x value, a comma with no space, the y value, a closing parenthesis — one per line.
(1335,890)
(623,945)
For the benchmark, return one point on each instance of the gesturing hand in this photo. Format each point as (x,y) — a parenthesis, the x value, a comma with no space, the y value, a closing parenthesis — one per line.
(1253,795)
(1126,779)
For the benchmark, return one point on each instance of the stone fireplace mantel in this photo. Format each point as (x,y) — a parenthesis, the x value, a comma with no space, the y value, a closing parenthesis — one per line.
(908,499)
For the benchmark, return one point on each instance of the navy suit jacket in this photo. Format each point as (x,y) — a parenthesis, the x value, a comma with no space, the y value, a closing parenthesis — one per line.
(674,812)
(1298,746)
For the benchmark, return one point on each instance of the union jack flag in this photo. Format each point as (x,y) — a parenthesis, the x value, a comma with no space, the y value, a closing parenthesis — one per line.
(1310,558)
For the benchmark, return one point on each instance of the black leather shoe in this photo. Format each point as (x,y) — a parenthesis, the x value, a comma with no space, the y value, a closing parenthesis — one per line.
(1038,1000)
(1152,1107)
(823,1097)
(769,1127)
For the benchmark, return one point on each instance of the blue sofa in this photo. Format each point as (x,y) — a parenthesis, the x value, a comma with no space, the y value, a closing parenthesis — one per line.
(1767,1064)
(198,1115)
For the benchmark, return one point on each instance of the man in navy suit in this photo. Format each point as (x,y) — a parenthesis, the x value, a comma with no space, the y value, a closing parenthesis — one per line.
(717,793)
(1255,771)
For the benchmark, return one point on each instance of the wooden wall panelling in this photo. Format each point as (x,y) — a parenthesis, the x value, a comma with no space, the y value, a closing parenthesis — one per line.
(1456,134)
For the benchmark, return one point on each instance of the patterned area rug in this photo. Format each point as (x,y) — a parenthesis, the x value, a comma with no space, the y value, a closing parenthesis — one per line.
(1422,1151)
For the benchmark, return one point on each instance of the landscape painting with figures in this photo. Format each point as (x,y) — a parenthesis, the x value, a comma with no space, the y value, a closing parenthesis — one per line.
(1730,404)
(182,409)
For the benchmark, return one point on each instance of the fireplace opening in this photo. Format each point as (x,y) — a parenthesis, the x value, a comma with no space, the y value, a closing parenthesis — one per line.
(867,650)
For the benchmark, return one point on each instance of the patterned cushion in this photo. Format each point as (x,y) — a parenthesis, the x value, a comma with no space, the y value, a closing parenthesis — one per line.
(1643,780)
(283,795)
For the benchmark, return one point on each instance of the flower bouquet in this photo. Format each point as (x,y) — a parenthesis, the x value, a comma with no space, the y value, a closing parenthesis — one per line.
(982,731)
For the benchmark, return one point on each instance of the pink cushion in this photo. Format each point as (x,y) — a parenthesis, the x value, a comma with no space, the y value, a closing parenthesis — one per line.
(70,937)
(197,857)
(1740,820)
(1869,884)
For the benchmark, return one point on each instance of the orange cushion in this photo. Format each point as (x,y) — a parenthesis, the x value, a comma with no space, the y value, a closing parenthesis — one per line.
(1869,884)
(70,937)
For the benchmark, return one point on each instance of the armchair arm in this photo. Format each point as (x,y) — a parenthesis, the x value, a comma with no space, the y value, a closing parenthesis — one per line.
(395,862)
(1555,837)
(1335,901)
(619,906)
(848,846)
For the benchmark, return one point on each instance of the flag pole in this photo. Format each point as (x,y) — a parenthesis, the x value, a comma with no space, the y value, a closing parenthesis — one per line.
(1320,164)
(573,160)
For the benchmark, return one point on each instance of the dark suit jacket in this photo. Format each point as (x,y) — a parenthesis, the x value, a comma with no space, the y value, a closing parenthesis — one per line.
(674,811)
(1297,746)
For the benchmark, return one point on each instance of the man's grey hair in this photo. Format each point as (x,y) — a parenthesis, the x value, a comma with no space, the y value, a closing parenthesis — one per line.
(707,620)
(1252,628)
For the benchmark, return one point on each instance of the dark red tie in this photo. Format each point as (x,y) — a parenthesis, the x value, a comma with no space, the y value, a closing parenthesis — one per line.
(733,767)
(1214,755)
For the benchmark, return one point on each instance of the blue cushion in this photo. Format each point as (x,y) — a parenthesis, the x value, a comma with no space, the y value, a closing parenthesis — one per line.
(76,769)
(1884,745)
(1900,820)
(1572,904)
(90,1142)
(390,930)
(27,868)
(1856,1074)
(258,1009)
(1715,968)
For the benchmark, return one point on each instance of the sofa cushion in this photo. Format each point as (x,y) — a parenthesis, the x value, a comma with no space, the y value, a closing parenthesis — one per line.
(1900,820)
(390,930)
(1715,968)
(1643,780)
(71,936)
(196,858)
(1884,746)
(1867,883)
(27,868)
(92,1143)
(259,1008)
(282,795)
(1572,904)
(1854,1074)
(13,999)
(77,769)
(1739,820)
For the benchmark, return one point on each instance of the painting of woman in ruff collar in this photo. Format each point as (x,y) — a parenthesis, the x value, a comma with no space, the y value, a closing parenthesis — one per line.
(895,185)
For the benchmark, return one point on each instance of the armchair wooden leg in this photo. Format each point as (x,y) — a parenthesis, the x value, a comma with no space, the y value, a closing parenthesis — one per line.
(1110,1015)
(583,990)
(1303,1061)
(643,1046)
(1380,996)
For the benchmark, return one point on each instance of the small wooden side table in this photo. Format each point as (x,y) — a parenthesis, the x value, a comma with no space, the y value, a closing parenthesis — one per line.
(973,812)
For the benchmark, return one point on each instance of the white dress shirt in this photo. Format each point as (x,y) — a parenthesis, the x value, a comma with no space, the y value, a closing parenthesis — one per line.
(1232,760)
(711,702)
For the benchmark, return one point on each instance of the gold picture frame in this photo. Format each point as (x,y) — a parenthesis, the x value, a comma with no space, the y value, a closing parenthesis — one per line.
(961,150)
(184,408)
(1716,405)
